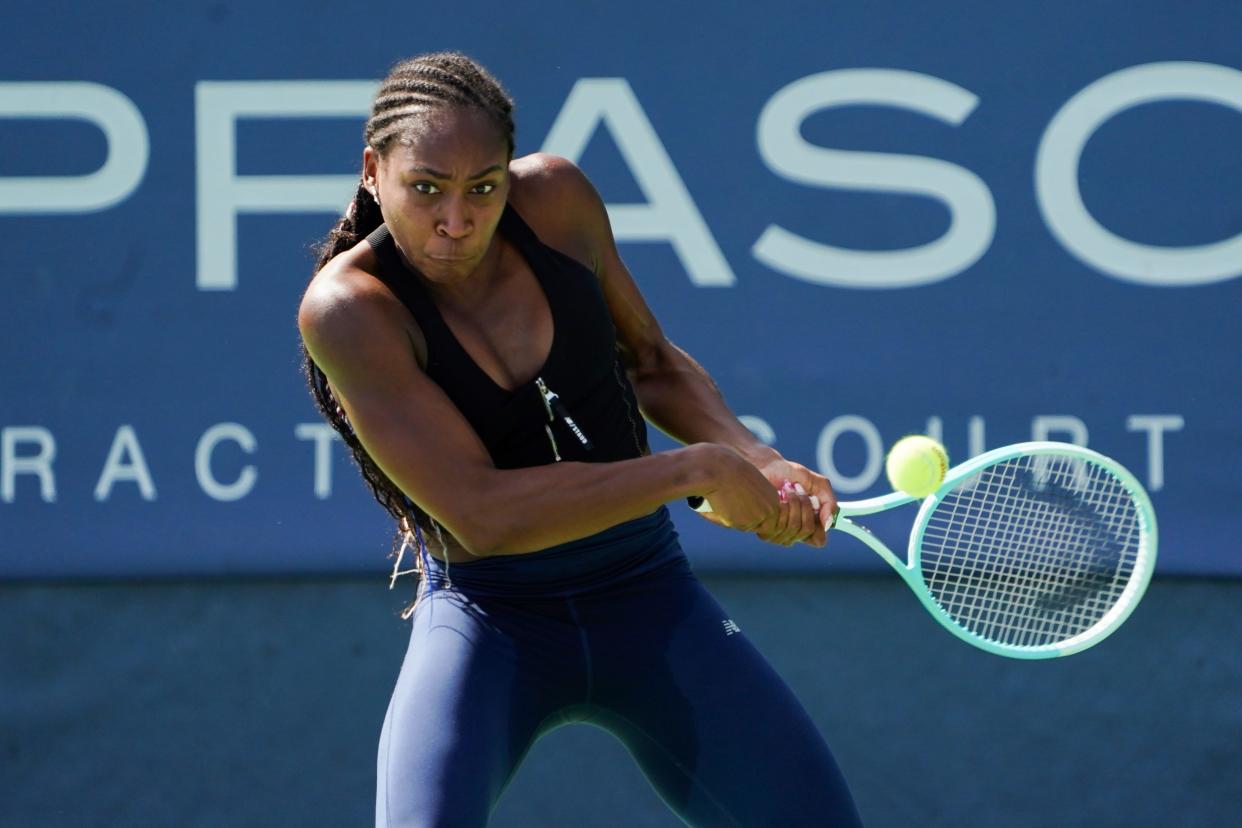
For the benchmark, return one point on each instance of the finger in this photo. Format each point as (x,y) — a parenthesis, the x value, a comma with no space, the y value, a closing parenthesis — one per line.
(808,517)
(766,512)
(827,507)
(819,532)
(772,531)
(768,519)
(794,515)
(799,507)
(789,528)
(816,534)
(824,499)
(779,528)
(765,529)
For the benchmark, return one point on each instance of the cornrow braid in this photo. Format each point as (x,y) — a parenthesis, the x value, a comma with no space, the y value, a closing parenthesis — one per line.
(436,80)
(413,89)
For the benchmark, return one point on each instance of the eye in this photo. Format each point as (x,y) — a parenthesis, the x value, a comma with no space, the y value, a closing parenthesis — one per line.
(426,187)
(483,189)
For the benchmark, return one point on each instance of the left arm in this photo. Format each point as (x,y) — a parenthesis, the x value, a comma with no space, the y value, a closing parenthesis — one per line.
(678,396)
(674,392)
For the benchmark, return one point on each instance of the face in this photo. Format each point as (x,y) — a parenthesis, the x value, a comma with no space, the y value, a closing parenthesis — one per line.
(442,191)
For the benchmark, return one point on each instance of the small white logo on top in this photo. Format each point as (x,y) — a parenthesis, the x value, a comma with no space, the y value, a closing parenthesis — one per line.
(729,627)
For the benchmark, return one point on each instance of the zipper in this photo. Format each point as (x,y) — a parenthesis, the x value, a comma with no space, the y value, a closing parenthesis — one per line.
(547,406)
(556,454)
(545,394)
(556,409)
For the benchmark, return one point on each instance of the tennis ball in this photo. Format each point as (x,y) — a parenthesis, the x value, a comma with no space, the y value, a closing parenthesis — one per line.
(916,465)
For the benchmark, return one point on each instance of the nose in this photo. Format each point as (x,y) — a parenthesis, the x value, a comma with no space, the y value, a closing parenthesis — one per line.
(454,221)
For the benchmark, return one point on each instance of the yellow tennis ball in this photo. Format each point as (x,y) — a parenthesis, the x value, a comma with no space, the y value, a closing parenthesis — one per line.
(916,465)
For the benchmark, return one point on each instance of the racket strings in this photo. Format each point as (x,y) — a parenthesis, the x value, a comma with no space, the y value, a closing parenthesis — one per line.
(1032,551)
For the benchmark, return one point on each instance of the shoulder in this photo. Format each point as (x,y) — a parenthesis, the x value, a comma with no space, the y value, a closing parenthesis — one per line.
(561,205)
(346,310)
(542,175)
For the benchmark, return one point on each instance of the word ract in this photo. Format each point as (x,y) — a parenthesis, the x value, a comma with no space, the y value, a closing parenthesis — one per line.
(31,451)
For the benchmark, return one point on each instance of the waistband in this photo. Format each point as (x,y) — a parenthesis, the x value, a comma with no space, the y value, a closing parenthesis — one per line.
(616,555)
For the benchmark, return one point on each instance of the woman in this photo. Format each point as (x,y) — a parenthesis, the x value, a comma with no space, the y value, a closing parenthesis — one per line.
(473,334)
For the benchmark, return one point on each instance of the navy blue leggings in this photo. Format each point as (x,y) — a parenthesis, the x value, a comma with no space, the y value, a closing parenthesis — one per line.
(615,631)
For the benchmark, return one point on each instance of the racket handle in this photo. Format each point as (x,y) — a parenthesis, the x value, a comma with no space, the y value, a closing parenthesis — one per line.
(700,504)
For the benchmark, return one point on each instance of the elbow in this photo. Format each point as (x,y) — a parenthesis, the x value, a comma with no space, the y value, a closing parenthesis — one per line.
(478,541)
(497,535)
(482,534)
(494,537)
(498,516)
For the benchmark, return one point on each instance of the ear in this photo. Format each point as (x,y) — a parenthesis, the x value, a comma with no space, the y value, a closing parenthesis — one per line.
(370,172)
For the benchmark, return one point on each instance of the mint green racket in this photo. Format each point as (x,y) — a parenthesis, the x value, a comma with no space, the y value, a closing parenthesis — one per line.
(1030,551)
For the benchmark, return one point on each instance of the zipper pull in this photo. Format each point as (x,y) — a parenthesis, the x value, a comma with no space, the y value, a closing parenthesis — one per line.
(555,408)
(555,454)
(563,413)
(546,395)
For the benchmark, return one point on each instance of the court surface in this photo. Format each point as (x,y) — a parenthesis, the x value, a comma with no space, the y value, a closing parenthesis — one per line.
(258,703)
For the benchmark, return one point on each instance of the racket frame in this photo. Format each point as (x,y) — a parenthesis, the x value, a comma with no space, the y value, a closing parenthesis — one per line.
(911,569)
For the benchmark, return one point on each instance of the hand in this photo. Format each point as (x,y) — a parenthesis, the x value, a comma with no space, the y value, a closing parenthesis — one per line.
(810,503)
(740,496)
(797,519)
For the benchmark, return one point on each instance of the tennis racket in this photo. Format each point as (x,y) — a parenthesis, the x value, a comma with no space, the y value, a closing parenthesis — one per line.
(1032,550)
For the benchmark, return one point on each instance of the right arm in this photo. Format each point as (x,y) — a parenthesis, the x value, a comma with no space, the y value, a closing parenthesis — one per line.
(354,330)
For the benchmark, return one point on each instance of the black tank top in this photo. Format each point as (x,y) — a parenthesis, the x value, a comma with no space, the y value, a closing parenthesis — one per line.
(579,407)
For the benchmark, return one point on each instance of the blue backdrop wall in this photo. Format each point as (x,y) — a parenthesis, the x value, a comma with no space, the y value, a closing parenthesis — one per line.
(865,220)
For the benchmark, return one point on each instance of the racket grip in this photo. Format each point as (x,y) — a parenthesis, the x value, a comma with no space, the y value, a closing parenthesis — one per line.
(700,504)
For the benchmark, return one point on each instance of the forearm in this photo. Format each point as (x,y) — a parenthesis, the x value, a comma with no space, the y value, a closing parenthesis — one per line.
(676,395)
(524,510)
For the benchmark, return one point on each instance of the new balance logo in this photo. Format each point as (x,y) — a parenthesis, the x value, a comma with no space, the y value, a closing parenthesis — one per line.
(729,627)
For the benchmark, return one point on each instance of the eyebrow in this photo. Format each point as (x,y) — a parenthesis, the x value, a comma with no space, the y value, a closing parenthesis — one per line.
(437,174)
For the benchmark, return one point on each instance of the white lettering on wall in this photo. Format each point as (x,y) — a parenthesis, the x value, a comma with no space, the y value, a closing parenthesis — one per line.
(322,435)
(1072,429)
(824,450)
(223,194)
(240,487)
(1060,151)
(125,462)
(32,450)
(670,214)
(40,463)
(1155,425)
(971,208)
(976,442)
(102,106)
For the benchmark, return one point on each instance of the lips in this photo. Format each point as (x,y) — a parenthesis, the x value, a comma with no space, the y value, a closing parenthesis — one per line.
(449,257)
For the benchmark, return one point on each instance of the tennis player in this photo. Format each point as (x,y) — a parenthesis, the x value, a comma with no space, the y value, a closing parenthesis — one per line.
(475,338)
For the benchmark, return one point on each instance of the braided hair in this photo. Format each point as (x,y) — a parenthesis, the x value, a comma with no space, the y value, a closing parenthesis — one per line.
(413,89)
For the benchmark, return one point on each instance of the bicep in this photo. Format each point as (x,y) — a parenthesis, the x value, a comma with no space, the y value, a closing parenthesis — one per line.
(639,334)
(406,423)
